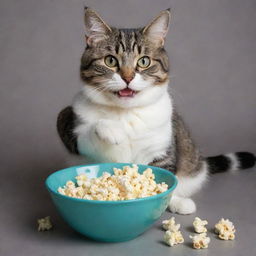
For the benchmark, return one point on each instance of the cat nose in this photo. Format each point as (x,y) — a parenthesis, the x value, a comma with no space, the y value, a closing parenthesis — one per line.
(127,73)
(127,79)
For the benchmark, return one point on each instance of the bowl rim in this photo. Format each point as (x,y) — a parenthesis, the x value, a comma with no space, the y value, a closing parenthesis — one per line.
(117,201)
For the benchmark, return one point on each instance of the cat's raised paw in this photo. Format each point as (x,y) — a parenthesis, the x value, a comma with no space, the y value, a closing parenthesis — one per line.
(110,132)
(182,205)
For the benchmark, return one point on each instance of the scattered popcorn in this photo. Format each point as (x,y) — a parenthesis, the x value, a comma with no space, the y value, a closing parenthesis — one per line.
(199,225)
(225,229)
(44,224)
(200,241)
(122,185)
(173,237)
(227,235)
(170,225)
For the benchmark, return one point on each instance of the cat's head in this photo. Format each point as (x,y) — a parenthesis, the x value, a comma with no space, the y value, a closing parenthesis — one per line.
(125,67)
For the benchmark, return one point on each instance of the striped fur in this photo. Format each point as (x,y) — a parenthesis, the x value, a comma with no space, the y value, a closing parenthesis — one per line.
(127,46)
(145,128)
(231,162)
(182,157)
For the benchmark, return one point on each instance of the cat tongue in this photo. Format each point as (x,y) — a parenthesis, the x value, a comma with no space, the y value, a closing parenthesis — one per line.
(126,92)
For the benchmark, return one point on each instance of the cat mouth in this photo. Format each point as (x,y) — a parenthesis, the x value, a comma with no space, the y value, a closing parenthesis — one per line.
(126,93)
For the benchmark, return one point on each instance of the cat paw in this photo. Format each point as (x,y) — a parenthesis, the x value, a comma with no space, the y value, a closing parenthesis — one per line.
(110,132)
(182,205)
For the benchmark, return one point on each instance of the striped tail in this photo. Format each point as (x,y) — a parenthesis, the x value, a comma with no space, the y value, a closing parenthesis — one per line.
(230,162)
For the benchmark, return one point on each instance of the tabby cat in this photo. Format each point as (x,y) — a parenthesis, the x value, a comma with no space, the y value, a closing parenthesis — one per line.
(124,112)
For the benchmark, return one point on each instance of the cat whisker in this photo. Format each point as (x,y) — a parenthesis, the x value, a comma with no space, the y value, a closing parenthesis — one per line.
(96,91)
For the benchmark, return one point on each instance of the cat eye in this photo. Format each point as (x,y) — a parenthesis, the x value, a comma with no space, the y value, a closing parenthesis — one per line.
(143,62)
(111,61)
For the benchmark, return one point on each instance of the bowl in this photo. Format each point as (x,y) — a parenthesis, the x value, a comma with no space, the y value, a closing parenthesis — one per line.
(109,221)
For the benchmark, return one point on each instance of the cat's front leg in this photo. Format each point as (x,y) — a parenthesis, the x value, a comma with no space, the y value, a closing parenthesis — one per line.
(110,131)
(103,141)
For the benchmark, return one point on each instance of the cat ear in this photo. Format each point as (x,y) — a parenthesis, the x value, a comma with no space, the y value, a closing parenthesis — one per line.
(95,28)
(157,29)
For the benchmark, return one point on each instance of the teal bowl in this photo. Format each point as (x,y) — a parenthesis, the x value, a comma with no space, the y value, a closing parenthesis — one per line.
(109,221)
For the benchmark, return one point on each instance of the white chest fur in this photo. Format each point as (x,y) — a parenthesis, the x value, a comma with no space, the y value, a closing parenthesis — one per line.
(146,131)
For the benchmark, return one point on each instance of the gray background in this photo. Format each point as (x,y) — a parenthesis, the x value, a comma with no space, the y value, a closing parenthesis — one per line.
(213,56)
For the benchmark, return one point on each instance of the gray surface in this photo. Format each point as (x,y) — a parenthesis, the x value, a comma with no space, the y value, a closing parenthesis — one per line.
(213,55)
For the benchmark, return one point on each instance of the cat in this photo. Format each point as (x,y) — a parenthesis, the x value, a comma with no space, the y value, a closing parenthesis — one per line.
(124,112)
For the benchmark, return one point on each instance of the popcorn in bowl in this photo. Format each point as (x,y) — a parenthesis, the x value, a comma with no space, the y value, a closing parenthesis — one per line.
(124,184)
